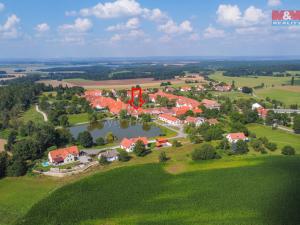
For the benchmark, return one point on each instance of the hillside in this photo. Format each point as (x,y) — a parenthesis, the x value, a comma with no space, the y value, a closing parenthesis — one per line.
(261,191)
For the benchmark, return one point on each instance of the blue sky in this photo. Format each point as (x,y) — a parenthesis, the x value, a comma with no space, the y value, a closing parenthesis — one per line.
(120,28)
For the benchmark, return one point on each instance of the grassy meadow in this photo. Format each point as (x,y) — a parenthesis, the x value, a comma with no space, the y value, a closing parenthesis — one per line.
(281,138)
(78,118)
(264,192)
(288,95)
(32,115)
(252,81)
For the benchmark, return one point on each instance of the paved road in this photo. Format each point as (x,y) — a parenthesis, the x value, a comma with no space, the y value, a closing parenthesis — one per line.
(180,133)
(285,129)
(39,111)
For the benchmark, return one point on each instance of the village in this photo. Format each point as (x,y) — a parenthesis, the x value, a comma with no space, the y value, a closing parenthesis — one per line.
(179,112)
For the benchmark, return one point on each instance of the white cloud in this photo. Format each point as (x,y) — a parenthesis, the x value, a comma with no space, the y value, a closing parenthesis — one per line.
(131,35)
(115,9)
(211,32)
(43,27)
(155,15)
(2,6)
(80,25)
(9,28)
(132,23)
(231,15)
(170,27)
(274,2)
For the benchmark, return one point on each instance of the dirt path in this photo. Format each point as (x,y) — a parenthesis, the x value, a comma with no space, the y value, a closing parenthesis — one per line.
(2,143)
(39,111)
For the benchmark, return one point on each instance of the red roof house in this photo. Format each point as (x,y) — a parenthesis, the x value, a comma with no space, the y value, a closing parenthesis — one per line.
(63,155)
(234,137)
(128,144)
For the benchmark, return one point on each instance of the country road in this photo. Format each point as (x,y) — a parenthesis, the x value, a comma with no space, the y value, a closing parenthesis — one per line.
(41,112)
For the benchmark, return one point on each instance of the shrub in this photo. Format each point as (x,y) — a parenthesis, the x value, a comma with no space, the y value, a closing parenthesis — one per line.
(139,148)
(100,141)
(288,150)
(271,146)
(162,157)
(85,139)
(123,156)
(103,160)
(205,152)
(176,143)
(256,144)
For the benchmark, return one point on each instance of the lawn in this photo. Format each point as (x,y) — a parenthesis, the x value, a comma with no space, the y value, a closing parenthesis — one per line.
(233,95)
(280,137)
(252,81)
(32,115)
(263,192)
(287,95)
(78,118)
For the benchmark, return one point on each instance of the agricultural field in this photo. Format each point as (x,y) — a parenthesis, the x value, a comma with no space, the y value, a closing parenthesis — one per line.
(32,115)
(281,138)
(252,81)
(260,190)
(119,84)
(286,94)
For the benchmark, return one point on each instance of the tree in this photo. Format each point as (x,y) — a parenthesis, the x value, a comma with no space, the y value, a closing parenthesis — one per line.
(241,147)
(3,164)
(139,148)
(100,141)
(17,168)
(162,157)
(296,125)
(103,161)
(247,90)
(123,156)
(205,152)
(85,139)
(123,114)
(293,80)
(110,138)
(288,150)
(224,144)
(63,121)
(256,144)
(93,118)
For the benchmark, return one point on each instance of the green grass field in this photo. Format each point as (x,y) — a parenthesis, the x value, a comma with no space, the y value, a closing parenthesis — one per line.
(266,192)
(31,115)
(283,95)
(18,195)
(232,95)
(78,118)
(252,81)
(280,137)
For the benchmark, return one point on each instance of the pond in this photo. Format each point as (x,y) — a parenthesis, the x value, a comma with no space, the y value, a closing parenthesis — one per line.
(120,129)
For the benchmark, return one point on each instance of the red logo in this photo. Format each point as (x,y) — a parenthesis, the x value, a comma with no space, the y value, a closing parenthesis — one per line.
(139,95)
(286,15)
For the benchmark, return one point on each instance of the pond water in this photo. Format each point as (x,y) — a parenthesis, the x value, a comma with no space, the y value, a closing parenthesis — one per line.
(120,129)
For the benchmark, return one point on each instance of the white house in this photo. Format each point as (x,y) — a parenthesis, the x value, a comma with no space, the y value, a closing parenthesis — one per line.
(128,144)
(256,106)
(169,119)
(110,155)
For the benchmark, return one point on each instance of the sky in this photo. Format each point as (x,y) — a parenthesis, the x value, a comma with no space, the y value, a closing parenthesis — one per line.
(142,28)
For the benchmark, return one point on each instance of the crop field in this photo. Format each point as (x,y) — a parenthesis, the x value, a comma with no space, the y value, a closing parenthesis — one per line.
(264,191)
(287,94)
(281,138)
(253,81)
(118,84)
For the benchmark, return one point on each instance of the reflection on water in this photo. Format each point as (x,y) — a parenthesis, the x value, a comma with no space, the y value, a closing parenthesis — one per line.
(120,129)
